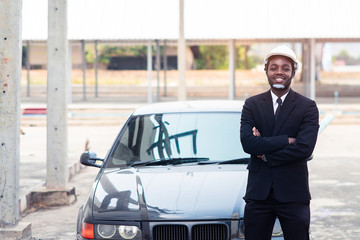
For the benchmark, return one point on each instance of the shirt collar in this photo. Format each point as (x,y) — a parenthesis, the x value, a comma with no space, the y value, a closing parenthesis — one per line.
(274,97)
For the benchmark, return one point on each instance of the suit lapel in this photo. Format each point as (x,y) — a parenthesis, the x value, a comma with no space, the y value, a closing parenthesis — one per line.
(285,110)
(268,111)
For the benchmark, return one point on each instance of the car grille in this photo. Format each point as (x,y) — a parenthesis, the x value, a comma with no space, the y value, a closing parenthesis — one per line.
(165,232)
(209,232)
(198,232)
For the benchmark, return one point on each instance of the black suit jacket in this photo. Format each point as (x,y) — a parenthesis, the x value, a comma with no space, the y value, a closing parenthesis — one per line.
(286,167)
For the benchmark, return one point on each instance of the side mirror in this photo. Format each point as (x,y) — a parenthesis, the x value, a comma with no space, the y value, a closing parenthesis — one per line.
(90,159)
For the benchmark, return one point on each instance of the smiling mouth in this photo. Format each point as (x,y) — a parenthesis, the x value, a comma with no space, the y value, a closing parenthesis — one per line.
(279,79)
(279,82)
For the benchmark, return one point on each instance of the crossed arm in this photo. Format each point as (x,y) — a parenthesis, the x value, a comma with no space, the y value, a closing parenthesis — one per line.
(280,149)
(256,133)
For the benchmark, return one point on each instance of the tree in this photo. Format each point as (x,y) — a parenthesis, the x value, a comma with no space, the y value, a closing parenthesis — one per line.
(217,57)
(346,57)
(212,57)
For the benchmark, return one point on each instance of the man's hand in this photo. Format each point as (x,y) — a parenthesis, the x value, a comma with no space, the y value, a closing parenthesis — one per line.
(256,132)
(292,140)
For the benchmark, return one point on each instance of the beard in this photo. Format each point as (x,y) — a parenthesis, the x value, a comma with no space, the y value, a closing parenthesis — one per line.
(280,87)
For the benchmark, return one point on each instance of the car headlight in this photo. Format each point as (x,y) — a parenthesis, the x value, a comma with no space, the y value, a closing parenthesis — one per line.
(128,232)
(121,232)
(106,231)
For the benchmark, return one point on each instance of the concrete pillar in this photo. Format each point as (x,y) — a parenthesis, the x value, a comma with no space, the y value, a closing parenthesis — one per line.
(83,67)
(57,122)
(312,69)
(149,70)
(10,76)
(96,68)
(305,71)
(232,69)
(181,53)
(165,67)
(157,64)
(28,68)
(308,68)
(69,71)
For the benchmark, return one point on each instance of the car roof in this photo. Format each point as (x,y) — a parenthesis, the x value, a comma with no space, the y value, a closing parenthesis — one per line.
(190,106)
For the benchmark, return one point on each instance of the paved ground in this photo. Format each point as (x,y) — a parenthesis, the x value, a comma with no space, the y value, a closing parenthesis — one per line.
(335,184)
(60,222)
(334,172)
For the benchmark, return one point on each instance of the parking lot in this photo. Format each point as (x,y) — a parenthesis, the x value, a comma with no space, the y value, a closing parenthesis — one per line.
(334,179)
(335,184)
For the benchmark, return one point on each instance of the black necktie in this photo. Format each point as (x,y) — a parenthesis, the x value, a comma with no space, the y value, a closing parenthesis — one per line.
(278,108)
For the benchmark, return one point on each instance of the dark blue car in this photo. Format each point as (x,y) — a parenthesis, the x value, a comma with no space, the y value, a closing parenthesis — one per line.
(176,171)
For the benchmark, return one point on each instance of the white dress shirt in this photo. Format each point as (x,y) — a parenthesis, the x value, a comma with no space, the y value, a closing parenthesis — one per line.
(274,98)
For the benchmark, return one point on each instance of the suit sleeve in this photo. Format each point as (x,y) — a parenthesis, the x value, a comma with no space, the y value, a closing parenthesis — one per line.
(306,138)
(257,145)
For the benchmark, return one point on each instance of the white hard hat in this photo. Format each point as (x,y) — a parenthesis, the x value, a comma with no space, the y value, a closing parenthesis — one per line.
(283,51)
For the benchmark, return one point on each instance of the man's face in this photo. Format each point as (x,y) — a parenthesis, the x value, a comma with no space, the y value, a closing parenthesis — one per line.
(279,72)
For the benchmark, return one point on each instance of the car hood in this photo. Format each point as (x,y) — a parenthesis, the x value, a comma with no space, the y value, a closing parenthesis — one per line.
(195,192)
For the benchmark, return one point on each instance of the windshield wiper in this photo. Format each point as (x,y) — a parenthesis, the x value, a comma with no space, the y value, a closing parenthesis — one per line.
(236,161)
(170,161)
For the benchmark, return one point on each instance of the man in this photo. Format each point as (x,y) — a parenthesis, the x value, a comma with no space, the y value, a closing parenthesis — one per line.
(279,129)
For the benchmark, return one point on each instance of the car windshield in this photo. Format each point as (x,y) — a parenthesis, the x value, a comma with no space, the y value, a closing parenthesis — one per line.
(178,138)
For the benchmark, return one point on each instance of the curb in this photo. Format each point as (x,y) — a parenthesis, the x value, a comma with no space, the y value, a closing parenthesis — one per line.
(25,201)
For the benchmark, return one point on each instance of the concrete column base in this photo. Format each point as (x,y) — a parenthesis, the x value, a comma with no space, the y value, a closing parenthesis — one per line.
(43,197)
(21,231)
